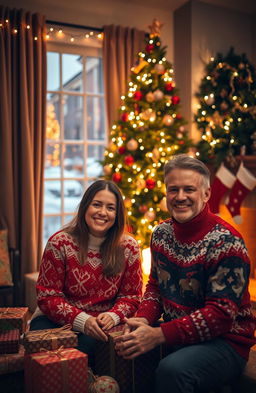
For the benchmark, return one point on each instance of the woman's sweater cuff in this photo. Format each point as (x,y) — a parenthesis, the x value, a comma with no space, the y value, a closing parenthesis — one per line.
(115,317)
(79,321)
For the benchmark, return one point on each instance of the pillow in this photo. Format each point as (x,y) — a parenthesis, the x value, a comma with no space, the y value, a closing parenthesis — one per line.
(5,270)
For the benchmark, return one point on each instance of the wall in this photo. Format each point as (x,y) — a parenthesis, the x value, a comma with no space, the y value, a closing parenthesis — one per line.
(97,13)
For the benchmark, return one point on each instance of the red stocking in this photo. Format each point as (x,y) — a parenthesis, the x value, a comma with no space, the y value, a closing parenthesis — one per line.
(222,182)
(245,182)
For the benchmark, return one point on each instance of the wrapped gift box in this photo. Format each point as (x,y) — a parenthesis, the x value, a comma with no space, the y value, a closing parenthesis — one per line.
(14,318)
(9,341)
(50,339)
(133,376)
(12,362)
(60,371)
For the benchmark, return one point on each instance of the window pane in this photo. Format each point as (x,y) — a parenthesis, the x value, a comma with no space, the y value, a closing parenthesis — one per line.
(53,71)
(52,160)
(51,225)
(74,161)
(73,117)
(52,118)
(95,118)
(72,72)
(95,154)
(94,75)
(67,218)
(73,192)
(52,194)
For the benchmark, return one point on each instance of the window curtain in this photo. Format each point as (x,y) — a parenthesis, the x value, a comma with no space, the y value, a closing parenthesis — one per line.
(22,130)
(120,48)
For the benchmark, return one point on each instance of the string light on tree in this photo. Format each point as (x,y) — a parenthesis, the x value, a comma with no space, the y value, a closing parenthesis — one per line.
(226,113)
(149,125)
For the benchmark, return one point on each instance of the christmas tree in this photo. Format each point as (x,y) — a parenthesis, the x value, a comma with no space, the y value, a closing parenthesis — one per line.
(148,131)
(226,113)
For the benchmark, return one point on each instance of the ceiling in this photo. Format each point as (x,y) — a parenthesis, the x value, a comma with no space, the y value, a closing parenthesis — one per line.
(247,6)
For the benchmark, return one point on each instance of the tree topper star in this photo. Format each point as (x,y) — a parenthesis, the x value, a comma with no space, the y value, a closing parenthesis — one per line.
(155,27)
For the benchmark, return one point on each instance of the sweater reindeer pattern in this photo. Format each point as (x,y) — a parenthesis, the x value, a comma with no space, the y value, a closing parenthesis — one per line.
(199,283)
(69,292)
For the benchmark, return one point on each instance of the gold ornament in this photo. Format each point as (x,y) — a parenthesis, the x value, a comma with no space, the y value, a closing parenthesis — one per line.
(140,183)
(140,66)
(168,120)
(150,215)
(156,154)
(158,95)
(132,145)
(150,97)
(127,203)
(163,205)
(148,114)
(113,147)
(107,169)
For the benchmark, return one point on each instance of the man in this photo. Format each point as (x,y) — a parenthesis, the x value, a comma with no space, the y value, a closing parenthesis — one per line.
(199,284)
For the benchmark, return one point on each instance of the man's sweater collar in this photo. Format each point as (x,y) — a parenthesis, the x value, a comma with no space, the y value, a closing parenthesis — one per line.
(196,228)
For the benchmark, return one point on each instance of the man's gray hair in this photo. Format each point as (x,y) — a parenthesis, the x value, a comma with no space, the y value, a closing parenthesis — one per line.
(183,161)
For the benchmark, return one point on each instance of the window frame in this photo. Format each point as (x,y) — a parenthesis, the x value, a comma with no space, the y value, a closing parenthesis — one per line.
(94,50)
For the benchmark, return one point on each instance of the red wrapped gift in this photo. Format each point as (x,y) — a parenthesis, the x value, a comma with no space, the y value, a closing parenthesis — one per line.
(13,318)
(12,362)
(132,375)
(50,339)
(9,341)
(60,371)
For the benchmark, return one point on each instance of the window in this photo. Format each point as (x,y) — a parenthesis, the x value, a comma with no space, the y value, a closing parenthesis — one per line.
(76,132)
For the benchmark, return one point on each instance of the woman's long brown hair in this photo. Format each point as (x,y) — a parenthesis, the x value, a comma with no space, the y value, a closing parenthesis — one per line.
(111,250)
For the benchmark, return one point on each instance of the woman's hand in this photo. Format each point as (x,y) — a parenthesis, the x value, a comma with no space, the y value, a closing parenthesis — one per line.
(92,328)
(105,321)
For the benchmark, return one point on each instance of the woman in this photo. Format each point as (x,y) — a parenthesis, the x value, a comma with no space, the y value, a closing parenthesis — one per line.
(90,274)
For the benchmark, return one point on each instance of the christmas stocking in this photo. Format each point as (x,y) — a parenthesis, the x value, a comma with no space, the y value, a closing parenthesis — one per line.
(245,182)
(222,182)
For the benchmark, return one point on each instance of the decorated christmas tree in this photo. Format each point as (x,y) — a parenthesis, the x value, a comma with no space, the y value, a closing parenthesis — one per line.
(148,131)
(226,113)
(227,119)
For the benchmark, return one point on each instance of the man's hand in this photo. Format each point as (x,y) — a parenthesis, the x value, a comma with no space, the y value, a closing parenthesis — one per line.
(92,328)
(141,339)
(105,321)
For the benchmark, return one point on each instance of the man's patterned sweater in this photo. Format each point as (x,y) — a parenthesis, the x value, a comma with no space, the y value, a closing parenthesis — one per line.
(199,283)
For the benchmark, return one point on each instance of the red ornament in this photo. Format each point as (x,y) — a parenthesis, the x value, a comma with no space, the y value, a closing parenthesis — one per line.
(169,86)
(129,228)
(129,160)
(178,116)
(150,183)
(121,150)
(125,116)
(143,208)
(181,142)
(175,100)
(149,48)
(137,95)
(117,177)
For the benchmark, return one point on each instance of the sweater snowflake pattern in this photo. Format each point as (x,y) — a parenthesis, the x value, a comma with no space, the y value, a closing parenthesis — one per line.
(199,283)
(69,292)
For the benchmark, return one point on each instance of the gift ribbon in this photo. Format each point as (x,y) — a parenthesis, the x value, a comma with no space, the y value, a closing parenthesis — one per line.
(10,313)
(49,334)
(64,365)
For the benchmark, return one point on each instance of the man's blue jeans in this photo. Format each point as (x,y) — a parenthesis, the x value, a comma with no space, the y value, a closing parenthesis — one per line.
(198,368)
